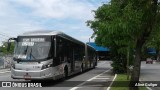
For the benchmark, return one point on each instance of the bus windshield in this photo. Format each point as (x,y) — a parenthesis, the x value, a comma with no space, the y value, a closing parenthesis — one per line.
(32,49)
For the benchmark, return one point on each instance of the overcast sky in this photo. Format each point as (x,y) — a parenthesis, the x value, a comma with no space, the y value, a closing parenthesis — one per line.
(68,16)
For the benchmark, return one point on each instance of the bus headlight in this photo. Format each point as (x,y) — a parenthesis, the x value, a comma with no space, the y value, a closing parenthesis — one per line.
(47,66)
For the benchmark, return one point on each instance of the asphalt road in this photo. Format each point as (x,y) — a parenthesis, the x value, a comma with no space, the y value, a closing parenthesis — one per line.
(94,79)
(151,73)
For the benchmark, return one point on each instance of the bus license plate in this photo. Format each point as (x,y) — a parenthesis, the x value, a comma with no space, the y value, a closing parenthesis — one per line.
(27,77)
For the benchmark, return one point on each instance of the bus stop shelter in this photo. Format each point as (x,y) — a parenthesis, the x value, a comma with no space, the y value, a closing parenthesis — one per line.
(102,52)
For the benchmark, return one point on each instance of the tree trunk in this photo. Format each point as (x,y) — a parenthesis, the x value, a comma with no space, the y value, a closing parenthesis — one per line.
(158,52)
(128,71)
(136,69)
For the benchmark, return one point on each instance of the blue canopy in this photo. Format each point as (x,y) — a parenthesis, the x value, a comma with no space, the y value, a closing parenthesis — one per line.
(151,50)
(98,48)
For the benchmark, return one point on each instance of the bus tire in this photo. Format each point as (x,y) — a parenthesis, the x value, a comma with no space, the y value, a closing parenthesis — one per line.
(94,65)
(66,72)
(82,68)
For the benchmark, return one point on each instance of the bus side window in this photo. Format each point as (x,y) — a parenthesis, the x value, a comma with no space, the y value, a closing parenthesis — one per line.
(66,51)
(57,59)
(60,47)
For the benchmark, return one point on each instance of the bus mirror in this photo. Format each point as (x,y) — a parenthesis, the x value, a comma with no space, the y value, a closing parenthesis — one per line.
(9,43)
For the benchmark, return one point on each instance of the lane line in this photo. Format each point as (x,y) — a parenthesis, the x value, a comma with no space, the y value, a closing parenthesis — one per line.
(100,78)
(112,82)
(148,88)
(79,86)
(103,76)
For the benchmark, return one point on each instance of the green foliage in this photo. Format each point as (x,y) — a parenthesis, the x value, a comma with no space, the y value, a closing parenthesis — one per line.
(118,65)
(121,80)
(123,24)
(118,56)
(153,40)
(4,48)
(112,29)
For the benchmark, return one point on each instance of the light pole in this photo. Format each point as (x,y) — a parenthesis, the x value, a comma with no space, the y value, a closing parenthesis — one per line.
(3,46)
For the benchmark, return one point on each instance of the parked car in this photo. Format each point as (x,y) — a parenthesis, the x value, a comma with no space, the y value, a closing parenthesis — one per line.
(149,60)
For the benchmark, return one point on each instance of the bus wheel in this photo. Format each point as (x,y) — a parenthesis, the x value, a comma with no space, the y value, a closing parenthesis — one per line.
(82,68)
(66,73)
(94,65)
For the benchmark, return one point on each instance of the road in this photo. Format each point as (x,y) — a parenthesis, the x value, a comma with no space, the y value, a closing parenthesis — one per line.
(94,79)
(151,72)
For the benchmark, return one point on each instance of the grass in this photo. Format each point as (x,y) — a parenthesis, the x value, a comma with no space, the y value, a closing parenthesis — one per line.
(118,85)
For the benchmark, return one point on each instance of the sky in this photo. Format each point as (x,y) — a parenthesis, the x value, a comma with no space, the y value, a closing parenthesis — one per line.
(68,16)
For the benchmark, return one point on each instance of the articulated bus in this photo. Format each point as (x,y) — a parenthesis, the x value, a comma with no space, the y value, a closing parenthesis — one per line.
(49,55)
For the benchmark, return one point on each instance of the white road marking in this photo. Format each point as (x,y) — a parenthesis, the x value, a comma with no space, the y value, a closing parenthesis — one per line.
(5,72)
(101,78)
(146,86)
(79,86)
(112,82)
(149,88)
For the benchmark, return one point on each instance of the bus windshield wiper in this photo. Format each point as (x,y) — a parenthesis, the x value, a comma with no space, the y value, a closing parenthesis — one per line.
(25,51)
(32,55)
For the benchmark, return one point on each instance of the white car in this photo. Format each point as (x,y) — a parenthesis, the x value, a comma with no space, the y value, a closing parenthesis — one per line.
(149,60)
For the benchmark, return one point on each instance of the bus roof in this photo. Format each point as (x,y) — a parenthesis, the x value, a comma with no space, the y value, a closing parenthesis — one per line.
(42,32)
(53,32)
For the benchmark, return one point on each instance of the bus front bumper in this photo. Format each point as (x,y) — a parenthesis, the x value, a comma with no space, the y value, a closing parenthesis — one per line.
(32,75)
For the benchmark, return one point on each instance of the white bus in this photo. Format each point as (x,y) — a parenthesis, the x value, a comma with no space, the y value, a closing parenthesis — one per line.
(49,55)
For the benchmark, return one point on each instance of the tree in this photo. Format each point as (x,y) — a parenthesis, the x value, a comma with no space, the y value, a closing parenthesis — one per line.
(4,48)
(154,42)
(126,23)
